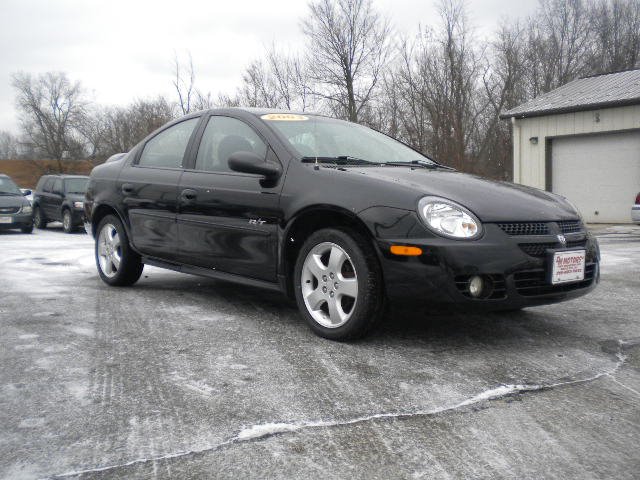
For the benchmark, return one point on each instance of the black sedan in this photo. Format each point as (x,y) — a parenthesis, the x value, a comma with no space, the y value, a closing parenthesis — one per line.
(15,209)
(334,214)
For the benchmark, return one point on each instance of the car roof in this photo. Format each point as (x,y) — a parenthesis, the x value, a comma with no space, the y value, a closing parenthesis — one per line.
(259,111)
(65,175)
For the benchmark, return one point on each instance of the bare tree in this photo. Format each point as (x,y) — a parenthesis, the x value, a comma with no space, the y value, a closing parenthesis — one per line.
(616,34)
(190,98)
(348,49)
(258,87)
(8,146)
(184,81)
(123,127)
(559,40)
(50,107)
(280,81)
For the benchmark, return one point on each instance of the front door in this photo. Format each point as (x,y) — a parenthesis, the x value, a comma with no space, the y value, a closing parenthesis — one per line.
(228,220)
(149,186)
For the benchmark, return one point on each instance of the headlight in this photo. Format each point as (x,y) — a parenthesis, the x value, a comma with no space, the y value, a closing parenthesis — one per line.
(26,209)
(78,204)
(449,219)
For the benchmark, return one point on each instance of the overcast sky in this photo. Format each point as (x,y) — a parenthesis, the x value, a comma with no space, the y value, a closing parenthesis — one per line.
(124,49)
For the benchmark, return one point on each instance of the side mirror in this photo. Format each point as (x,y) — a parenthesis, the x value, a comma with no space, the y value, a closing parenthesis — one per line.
(249,162)
(26,192)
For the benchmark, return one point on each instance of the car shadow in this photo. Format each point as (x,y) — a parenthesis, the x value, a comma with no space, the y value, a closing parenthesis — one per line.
(398,325)
(57,227)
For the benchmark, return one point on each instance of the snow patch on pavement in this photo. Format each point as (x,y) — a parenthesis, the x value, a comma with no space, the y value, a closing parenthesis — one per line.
(265,430)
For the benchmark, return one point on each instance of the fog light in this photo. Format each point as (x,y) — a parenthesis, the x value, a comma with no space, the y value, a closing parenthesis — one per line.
(476,285)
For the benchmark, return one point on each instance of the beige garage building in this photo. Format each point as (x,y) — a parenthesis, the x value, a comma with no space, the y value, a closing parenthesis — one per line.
(582,141)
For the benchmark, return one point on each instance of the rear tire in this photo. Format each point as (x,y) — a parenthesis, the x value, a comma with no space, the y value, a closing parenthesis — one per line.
(38,219)
(118,265)
(67,221)
(338,284)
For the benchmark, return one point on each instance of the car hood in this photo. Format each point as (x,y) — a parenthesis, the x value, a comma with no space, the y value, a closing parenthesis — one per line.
(490,201)
(12,201)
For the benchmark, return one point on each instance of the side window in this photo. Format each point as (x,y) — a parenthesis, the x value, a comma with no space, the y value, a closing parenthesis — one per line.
(48,184)
(41,182)
(223,137)
(167,148)
(57,186)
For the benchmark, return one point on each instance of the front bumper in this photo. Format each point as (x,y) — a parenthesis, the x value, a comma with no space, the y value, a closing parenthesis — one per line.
(635,214)
(440,275)
(77,216)
(18,220)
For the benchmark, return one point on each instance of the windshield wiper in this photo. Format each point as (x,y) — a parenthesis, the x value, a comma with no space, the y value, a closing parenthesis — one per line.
(11,194)
(420,163)
(339,160)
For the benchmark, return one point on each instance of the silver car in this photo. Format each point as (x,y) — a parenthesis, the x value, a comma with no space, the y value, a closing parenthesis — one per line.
(635,211)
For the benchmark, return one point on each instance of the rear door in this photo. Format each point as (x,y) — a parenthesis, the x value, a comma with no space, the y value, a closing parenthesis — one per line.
(149,186)
(228,220)
(54,200)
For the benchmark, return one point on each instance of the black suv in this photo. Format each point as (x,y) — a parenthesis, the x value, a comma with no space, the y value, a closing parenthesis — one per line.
(60,198)
(15,210)
(335,214)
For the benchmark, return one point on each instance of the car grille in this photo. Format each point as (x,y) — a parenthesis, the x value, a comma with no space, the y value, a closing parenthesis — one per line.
(539,250)
(9,210)
(525,228)
(514,229)
(570,226)
(499,287)
(534,282)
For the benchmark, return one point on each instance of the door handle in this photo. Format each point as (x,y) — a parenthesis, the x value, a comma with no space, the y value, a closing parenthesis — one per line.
(188,195)
(127,188)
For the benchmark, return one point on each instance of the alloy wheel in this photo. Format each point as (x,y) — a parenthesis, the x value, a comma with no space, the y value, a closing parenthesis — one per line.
(66,221)
(329,285)
(109,250)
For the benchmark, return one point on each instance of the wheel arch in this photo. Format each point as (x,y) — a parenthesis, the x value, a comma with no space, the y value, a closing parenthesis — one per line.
(308,221)
(102,211)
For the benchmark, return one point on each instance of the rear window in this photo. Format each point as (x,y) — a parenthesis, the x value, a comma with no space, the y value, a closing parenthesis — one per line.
(41,182)
(76,185)
(48,185)
(57,186)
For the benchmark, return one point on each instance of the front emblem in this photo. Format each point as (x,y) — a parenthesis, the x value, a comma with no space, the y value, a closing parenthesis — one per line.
(562,240)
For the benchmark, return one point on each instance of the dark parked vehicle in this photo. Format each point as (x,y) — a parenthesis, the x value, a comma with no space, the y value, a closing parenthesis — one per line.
(60,198)
(15,209)
(339,216)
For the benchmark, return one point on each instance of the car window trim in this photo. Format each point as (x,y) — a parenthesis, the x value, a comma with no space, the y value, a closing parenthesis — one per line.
(193,154)
(135,163)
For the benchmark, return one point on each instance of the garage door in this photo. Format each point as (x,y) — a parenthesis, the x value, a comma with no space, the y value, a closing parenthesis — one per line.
(599,173)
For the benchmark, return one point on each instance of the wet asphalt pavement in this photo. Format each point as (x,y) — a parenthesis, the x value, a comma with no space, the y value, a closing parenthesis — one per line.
(184,377)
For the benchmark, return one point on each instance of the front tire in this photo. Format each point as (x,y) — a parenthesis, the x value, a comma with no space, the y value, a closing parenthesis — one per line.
(27,229)
(118,265)
(338,284)
(38,219)
(67,221)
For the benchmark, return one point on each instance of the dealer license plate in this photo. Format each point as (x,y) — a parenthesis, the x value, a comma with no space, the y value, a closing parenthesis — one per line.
(568,267)
(6,219)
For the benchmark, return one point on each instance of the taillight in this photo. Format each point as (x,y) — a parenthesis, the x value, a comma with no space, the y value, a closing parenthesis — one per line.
(638,199)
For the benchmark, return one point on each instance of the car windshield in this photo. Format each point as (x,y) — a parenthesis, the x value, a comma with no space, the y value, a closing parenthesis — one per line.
(76,185)
(322,137)
(7,187)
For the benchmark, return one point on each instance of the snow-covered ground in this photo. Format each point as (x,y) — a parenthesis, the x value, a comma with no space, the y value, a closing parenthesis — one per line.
(186,377)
